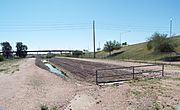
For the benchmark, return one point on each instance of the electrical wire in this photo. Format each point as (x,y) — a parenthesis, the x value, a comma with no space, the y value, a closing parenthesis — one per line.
(81,26)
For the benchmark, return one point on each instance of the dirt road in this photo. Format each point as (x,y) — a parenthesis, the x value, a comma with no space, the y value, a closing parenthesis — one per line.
(31,87)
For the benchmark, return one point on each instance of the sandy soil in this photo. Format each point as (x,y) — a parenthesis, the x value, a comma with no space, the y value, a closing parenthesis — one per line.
(30,87)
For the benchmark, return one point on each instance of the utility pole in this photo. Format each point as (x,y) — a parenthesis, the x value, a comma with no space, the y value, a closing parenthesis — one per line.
(99,44)
(120,39)
(121,35)
(170,27)
(94,45)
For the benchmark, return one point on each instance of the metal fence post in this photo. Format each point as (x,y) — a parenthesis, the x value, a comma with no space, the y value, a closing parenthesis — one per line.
(96,78)
(133,72)
(162,70)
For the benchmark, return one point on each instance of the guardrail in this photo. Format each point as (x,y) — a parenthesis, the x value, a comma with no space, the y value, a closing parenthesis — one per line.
(128,70)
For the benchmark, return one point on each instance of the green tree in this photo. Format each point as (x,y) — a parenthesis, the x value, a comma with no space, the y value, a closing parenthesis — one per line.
(21,50)
(6,49)
(77,53)
(109,46)
(117,45)
(160,43)
(125,43)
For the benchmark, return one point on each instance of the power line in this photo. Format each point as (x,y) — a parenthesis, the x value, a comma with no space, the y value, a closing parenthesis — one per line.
(80,26)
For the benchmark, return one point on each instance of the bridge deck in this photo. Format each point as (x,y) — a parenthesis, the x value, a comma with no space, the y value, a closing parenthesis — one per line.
(45,51)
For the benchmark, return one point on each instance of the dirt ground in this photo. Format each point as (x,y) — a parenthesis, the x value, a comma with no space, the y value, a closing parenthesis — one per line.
(31,87)
(24,86)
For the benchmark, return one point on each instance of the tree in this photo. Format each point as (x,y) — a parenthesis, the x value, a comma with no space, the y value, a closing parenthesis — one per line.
(98,49)
(160,43)
(109,46)
(21,50)
(124,44)
(117,45)
(77,53)
(6,49)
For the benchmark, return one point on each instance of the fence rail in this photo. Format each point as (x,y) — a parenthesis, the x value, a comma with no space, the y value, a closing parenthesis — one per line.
(125,73)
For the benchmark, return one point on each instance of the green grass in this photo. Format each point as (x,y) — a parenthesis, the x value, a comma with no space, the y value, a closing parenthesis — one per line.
(177,79)
(138,52)
(172,78)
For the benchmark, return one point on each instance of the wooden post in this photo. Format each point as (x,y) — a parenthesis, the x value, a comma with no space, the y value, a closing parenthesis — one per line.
(133,72)
(162,70)
(96,78)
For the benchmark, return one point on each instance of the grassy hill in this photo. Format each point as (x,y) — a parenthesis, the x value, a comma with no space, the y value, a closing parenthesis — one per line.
(138,52)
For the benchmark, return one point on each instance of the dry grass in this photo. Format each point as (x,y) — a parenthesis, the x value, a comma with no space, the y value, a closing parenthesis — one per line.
(9,66)
(154,94)
(138,52)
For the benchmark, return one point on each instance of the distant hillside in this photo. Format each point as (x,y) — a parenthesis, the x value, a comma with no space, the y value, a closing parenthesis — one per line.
(138,52)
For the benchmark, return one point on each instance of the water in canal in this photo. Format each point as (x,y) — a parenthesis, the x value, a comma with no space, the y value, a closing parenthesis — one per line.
(53,69)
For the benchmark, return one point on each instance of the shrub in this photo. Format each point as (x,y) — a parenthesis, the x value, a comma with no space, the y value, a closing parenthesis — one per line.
(160,43)
(109,46)
(77,53)
(54,108)
(50,55)
(1,58)
(44,107)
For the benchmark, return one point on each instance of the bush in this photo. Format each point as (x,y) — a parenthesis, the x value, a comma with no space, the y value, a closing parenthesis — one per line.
(160,43)
(54,108)
(50,55)
(109,46)
(173,58)
(77,53)
(1,58)
(44,107)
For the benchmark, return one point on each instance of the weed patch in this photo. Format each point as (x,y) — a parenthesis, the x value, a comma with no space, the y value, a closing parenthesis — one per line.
(156,105)
(1,70)
(45,107)
(136,93)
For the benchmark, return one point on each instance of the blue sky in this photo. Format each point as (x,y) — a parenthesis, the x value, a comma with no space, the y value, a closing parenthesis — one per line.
(67,24)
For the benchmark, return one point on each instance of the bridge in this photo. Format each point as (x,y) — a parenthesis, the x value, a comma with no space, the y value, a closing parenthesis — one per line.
(46,51)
